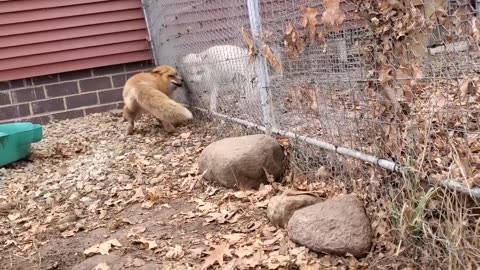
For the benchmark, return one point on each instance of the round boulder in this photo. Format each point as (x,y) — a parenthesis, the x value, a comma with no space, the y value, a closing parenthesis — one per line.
(337,226)
(241,162)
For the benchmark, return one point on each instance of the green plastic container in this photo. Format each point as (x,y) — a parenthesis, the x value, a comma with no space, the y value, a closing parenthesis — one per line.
(16,139)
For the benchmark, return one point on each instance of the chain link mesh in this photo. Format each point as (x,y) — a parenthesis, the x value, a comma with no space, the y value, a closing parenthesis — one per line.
(348,88)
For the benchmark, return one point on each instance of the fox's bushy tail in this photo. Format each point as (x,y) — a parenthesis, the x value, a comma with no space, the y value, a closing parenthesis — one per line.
(161,106)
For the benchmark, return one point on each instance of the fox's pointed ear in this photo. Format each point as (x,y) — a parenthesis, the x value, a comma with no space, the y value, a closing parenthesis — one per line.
(159,70)
(156,71)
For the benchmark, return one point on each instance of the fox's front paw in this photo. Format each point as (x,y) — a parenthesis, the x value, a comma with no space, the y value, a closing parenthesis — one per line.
(130,130)
(171,129)
(168,127)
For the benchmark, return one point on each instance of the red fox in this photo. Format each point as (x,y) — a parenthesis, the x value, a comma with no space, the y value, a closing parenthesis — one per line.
(152,92)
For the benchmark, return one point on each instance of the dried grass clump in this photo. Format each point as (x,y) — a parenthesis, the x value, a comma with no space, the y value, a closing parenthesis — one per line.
(434,227)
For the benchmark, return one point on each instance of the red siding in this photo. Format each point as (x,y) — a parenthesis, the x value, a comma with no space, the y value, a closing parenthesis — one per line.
(41,37)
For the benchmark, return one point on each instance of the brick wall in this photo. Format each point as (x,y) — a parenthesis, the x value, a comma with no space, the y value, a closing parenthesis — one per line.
(65,95)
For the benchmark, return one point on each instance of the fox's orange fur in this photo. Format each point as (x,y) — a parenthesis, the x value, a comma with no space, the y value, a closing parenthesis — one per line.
(153,92)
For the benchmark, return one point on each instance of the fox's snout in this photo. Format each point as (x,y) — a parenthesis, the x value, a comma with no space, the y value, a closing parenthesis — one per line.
(178,81)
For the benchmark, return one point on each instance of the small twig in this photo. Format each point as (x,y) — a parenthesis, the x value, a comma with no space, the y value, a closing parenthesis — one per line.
(397,253)
(39,255)
(192,186)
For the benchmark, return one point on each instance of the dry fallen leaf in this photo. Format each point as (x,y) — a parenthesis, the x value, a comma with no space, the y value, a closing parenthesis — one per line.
(27,247)
(5,208)
(185,135)
(272,241)
(321,39)
(242,194)
(210,191)
(175,253)
(468,87)
(224,216)
(250,227)
(138,196)
(103,213)
(275,260)
(148,204)
(332,14)
(244,251)
(67,234)
(234,237)
(149,244)
(205,207)
(309,21)
(312,266)
(102,266)
(136,231)
(252,261)
(271,59)
(117,223)
(264,191)
(216,255)
(14,216)
(385,75)
(138,262)
(262,204)
(475,32)
(152,196)
(10,243)
(294,43)
(102,248)
(196,253)
(249,42)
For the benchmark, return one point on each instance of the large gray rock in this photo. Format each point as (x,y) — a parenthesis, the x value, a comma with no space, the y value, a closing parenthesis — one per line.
(337,226)
(281,208)
(239,162)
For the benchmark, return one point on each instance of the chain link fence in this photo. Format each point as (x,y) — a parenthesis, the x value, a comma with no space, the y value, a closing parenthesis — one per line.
(386,82)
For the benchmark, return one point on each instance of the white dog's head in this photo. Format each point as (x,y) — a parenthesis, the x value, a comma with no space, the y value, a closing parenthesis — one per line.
(192,68)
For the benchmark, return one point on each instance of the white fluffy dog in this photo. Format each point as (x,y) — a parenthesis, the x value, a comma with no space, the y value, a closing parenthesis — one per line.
(219,67)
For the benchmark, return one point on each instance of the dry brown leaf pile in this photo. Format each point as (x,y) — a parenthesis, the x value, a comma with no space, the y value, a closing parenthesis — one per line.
(296,40)
(423,112)
(137,190)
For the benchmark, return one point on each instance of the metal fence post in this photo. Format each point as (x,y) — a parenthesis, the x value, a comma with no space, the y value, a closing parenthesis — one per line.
(148,23)
(260,62)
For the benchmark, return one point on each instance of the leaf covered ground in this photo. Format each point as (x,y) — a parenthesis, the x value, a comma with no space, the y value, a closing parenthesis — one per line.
(91,197)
